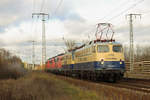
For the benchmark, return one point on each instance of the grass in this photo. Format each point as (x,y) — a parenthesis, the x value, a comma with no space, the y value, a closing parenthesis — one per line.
(106,92)
(43,86)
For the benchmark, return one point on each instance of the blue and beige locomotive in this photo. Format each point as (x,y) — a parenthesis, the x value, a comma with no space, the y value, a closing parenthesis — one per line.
(98,60)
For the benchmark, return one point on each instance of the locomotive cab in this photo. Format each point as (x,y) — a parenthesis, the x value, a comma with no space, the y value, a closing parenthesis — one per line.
(110,60)
(110,56)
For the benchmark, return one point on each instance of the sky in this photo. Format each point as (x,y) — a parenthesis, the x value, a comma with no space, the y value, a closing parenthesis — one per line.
(71,19)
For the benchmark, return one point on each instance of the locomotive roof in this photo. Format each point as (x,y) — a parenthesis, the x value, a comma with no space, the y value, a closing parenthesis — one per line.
(95,42)
(98,43)
(115,43)
(56,56)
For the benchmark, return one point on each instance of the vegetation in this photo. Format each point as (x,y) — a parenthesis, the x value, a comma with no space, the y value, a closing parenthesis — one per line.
(141,53)
(10,66)
(70,44)
(108,92)
(7,58)
(43,86)
(141,67)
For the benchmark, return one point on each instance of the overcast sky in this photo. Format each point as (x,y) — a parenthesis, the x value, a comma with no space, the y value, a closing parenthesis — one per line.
(72,19)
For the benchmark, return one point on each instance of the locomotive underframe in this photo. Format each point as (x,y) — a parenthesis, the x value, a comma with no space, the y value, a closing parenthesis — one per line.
(95,75)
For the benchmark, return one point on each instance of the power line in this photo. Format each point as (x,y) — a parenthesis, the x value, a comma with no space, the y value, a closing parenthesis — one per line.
(147,12)
(58,6)
(116,16)
(33,10)
(42,5)
(33,28)
(122,4)
(134,5)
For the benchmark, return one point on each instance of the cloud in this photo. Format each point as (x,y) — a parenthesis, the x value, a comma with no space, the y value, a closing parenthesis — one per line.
(140,33)
(74,19)
(17,11)
(12,11)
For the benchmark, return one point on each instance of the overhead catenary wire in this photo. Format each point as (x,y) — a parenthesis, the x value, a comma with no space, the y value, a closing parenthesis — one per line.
(33,9)
(42,5)
(129,8)
(33,23)
(122,4)
(56,9)
(145,13)
(124,11)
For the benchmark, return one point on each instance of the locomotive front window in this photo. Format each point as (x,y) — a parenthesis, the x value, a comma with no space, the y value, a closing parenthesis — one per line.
(117,48)
(102,48)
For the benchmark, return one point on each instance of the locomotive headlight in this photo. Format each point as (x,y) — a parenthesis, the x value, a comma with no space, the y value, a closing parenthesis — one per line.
(102,61)
(120,61)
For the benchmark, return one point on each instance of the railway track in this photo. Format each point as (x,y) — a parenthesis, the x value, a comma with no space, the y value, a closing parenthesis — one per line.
(132,80)
(132,84)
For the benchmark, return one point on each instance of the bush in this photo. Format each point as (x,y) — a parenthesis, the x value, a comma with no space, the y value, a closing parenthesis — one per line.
(10,65)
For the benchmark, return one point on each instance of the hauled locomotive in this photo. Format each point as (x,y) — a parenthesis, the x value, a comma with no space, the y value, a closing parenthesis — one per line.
(96,60)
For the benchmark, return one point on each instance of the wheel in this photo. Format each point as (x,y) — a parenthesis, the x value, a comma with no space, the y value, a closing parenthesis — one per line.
(112,78)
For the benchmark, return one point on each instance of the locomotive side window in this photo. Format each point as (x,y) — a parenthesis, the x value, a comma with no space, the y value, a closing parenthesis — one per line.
(55,59)
(117,48)
(73,56)
(102,48)
(93,49)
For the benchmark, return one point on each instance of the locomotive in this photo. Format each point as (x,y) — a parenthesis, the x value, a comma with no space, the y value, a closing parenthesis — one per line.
(97,60)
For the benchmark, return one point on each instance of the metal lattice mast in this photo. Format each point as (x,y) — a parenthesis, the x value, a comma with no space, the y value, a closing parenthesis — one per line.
(43,15)
(132,40)
(33,54)
(43,41)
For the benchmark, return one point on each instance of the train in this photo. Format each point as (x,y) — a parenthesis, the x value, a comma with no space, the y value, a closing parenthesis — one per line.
(96,60)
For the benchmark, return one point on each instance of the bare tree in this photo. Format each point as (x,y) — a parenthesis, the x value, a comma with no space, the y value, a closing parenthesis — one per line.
(70,44)
(10,65)
(126,52)
(146,53)
(85,41)
(140,53)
